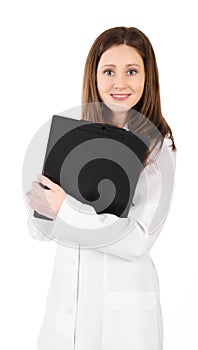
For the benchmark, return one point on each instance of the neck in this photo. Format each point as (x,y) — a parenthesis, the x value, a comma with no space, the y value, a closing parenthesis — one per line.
(118,119)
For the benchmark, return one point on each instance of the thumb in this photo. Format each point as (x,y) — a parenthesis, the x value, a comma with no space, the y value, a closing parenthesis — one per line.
(45,181)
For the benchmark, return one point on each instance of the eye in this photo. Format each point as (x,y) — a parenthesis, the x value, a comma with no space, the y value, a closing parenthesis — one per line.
(108,72)
(132,72)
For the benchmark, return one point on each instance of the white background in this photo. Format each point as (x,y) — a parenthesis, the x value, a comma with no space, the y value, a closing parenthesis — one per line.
(43,50)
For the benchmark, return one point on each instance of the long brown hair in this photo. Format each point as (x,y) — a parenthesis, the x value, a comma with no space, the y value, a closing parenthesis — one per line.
(149,104)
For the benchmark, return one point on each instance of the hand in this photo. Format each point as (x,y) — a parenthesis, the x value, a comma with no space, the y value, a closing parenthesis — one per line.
(44,201)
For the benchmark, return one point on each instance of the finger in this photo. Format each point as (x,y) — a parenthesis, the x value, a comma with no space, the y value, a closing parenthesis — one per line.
(35,186)
(38,191)
(45,181)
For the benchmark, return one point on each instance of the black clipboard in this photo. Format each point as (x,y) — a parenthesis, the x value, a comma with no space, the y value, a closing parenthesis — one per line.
(80,154)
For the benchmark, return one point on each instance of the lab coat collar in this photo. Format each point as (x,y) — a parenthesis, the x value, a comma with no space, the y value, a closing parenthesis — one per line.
(126,127)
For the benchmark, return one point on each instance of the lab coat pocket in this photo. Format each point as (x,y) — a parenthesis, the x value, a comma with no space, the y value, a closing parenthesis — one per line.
(130,321)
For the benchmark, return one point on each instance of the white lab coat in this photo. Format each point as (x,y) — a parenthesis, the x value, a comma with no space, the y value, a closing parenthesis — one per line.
(107,298)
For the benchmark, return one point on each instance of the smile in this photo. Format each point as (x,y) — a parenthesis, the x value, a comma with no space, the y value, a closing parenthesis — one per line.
(120,97)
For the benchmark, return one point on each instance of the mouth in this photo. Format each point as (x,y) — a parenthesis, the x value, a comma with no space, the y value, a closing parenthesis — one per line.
(120,97)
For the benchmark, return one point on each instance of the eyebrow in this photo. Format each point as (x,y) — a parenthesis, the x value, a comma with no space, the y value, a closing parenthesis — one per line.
(113,65)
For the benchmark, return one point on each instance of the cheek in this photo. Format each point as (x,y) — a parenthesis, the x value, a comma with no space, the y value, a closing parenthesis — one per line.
(101,88)
(99,85)
(103,84)
(139,86)
(141,89)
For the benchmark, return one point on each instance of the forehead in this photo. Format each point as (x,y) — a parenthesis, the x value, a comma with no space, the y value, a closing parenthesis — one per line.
(121,54)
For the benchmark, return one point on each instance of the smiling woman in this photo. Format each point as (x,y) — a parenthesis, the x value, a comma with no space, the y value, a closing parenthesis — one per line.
(107,297)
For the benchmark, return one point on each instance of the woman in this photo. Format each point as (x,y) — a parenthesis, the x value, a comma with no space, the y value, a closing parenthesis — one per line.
(108,297)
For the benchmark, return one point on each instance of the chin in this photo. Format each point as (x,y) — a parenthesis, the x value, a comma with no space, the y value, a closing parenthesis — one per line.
(117,107)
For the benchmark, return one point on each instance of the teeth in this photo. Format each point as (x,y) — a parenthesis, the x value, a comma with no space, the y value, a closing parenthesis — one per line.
(119,95)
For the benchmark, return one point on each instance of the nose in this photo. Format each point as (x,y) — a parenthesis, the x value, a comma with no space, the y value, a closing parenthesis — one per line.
(120,81)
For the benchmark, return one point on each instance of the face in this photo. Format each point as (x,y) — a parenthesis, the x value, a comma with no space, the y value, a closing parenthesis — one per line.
(120,78)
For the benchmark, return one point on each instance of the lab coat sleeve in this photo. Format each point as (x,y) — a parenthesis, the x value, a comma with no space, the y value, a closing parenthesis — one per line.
(147,217)
(40,229)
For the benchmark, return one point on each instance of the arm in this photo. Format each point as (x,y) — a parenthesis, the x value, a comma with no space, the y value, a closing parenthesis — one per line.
(128,237)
